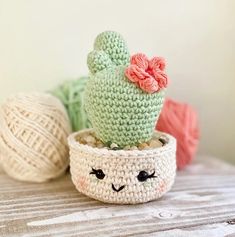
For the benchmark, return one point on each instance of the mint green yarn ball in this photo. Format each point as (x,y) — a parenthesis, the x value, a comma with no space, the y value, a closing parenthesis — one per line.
(71,94)
(119,111)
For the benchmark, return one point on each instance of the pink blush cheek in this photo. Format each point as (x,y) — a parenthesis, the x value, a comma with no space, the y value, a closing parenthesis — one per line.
(82,183)
(161,188)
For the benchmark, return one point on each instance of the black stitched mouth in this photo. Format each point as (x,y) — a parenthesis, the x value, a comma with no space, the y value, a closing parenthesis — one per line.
(119,189)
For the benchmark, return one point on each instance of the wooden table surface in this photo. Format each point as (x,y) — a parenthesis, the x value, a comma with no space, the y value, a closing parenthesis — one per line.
(201,204)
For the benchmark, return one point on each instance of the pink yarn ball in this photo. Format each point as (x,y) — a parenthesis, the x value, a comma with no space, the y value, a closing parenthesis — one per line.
(180,120)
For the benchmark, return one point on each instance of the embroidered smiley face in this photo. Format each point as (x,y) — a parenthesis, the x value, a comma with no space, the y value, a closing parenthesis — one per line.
(123,180)
(141,177)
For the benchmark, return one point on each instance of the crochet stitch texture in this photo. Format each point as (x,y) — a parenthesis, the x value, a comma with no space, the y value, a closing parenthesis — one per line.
(120,169)
(119,111)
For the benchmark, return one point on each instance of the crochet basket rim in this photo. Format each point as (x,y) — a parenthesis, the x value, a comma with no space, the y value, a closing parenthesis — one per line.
(75,145)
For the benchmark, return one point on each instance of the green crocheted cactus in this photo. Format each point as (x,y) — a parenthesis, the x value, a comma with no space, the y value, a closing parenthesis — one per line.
(119,111)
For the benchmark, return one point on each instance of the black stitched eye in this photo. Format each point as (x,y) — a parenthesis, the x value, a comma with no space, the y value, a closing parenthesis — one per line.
(143,176)
(98,173)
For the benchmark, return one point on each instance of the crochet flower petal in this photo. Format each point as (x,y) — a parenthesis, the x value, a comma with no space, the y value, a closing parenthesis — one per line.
(157,62)
(134,73)
(161,78)
(149,85)
(140,60)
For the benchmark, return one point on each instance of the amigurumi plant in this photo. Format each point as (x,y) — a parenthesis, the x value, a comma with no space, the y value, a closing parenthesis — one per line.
(124,95)
(122,159)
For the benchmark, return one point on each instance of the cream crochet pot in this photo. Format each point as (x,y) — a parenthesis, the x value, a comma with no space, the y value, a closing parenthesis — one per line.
(120,176)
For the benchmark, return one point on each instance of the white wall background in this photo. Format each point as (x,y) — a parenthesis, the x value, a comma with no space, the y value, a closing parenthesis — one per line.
(43,42)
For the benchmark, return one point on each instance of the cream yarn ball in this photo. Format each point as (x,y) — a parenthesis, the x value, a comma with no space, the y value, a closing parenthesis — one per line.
(33,139)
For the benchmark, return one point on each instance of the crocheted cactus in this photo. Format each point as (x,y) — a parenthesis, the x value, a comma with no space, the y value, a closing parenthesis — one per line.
(121,109)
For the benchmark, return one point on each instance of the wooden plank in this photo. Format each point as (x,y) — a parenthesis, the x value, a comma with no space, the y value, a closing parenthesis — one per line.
(201,203)
(212,230)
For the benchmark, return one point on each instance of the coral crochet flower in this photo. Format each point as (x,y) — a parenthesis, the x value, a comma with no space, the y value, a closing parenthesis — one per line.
(148,74)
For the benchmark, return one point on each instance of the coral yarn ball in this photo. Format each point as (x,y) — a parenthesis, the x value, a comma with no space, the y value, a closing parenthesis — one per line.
(33,140)
(180,120)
